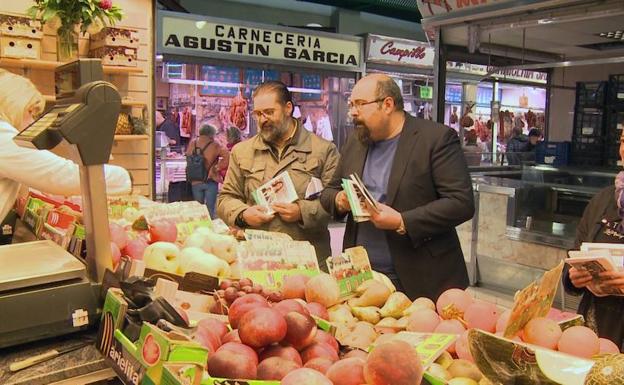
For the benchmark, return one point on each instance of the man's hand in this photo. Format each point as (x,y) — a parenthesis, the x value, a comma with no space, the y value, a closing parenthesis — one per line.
(289,212)
(386,219)
(579,278)
(342,202)
(256,216)
(614,279)
(172,142)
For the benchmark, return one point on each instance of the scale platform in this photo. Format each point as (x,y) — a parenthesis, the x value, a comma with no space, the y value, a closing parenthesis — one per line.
(44,292)
(37,263)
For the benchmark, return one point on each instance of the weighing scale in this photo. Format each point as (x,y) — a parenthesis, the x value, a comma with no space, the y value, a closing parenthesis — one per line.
(44,290)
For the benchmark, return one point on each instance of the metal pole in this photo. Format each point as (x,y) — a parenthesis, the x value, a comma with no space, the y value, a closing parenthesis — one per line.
(95,218)
(439,76)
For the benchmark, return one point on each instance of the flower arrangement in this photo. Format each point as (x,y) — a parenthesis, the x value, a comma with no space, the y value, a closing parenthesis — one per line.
(64,15)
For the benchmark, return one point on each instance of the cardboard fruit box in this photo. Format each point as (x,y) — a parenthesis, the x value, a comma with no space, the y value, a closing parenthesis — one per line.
(141,361)
(115,56)
(174,374)
(20,37)
(114,37)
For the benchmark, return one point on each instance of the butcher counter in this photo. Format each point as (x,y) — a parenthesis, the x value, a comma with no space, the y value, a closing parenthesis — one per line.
(525,221)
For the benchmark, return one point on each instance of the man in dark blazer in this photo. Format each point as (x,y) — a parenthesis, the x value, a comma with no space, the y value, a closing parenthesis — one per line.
(416,169)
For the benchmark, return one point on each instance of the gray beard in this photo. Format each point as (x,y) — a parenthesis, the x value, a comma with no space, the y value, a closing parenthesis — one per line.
(274,135)
(363,133)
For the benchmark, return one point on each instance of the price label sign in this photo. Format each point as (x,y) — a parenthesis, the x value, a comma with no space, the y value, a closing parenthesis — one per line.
(426,92)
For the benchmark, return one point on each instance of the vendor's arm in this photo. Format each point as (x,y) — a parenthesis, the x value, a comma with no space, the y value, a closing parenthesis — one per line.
(313,215)
(455,203)
(47,172)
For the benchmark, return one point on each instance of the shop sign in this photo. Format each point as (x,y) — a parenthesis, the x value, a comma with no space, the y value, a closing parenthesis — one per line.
(426,92)
(428,8)
(387,50)
(482,70)
(218,38)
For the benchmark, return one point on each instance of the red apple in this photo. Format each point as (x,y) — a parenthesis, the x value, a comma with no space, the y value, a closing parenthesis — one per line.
(324,337)
(318,310)
(135,248)
(163,230)
(305,376)
(239,348)
(288,305)
(275,368)
(300,331)
(207,338)
(244,304)
(118,235)
(319,364)
(231,337)
(294,286)
(286,352)
(219,327)
(319,350)
(227,364)
(348,371)
(261,327)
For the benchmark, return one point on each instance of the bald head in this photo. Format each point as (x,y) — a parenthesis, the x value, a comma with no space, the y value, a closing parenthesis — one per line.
(384,86)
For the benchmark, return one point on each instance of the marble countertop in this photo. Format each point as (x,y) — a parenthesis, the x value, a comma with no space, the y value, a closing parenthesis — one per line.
(72,364)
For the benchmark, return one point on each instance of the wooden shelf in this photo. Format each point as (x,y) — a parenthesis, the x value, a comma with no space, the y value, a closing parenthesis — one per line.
(131,137)
(50,65)
(125,103)
(29,63)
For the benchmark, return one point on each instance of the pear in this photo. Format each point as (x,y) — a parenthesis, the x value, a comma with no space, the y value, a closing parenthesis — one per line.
(466,369)
(395,305)
(419,303)
(385,280)
(387,322)
(341,314)
(439,372)
(402,322)
(366,313)
(445,360)
(374,294)
(364,286)
(362,336)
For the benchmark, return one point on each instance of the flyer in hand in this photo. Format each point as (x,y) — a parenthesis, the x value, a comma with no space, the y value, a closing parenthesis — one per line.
(360,199)
(278,190)
(595,262)
(533,301)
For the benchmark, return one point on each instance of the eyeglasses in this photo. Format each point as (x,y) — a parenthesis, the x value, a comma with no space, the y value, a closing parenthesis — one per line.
(268,113)
(358,104)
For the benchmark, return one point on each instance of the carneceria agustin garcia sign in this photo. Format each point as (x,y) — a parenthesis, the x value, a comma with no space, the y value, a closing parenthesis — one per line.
(188,35)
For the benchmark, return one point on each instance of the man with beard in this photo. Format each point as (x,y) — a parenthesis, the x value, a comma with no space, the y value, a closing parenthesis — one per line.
(281,144)
(416,169)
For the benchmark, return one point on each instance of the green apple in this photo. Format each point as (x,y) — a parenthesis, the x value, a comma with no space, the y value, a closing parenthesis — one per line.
(196,260)
(223,246)
(162,256)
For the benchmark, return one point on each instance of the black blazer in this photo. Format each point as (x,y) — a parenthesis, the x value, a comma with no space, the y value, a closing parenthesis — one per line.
(430,186)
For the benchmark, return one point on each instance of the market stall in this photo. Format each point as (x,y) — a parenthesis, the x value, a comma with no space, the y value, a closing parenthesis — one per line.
(210,66)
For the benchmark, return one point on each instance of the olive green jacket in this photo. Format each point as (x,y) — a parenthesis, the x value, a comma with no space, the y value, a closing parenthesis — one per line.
(253,163)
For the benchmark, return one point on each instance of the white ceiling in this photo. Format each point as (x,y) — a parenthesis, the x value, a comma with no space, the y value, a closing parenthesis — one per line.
(562,38)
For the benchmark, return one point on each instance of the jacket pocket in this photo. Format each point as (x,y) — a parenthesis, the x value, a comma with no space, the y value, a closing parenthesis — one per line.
(253,174)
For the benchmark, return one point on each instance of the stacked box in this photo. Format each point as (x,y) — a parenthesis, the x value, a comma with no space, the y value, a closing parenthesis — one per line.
(115,46)
(20,37)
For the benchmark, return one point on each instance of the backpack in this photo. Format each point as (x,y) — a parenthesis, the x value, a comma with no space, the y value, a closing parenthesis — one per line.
(195,166)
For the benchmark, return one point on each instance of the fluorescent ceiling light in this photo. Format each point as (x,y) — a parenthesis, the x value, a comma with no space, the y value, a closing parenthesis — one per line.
(236,85)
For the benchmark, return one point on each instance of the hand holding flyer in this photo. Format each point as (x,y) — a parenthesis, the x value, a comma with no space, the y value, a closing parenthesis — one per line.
(278,190)
(360,199)
(599,264)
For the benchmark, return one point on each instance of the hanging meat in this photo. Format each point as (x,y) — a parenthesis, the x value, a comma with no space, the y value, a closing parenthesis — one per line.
(238,111)
(467,121)
(454,118)
(531,119)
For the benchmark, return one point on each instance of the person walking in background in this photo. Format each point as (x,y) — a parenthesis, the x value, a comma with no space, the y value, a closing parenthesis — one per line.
(166,125)
(206,160)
